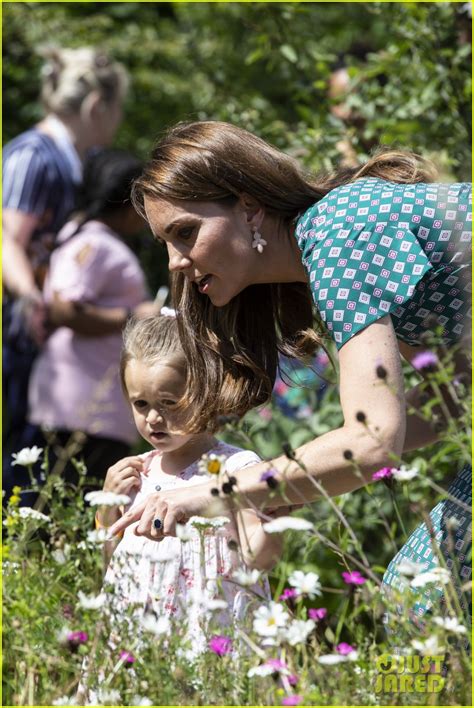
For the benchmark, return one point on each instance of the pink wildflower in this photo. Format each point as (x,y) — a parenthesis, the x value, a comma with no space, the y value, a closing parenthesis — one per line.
(288,594)
(276,664)
(344,648)
(353,578)
(76,638)
(317,613)
(220,644)
(384,473)
(126,657)
(293,679)
(424,361)
(293,700)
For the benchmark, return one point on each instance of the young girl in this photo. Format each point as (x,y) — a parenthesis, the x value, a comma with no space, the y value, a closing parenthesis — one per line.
(178,577)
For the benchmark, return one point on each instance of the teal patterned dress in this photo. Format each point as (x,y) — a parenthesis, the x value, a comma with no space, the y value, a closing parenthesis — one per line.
(373,248)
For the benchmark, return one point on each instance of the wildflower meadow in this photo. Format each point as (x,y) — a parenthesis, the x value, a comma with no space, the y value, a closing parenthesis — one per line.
(330,635)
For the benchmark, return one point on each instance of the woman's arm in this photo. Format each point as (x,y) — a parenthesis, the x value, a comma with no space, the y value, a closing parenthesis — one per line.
(337,462)
(92,320)
(259,549)
(17,230)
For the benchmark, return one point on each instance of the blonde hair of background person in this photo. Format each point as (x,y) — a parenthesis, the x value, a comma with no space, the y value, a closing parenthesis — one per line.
(82,91)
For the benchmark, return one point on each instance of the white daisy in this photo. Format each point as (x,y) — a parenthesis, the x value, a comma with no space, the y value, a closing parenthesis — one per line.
(409,568)
(429,647)
(28,456)
(202,522)
(287,523)
(436,575)
(305,583)
(404,474)
(184,533)
(246,578)
(101,498)
(298,631)
(211,465)
(27,513)
(157,626)
(261,670)
(91,602)
(268,620)
(450,624)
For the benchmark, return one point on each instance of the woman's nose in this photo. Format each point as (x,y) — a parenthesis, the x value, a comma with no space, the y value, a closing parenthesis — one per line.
(177,261)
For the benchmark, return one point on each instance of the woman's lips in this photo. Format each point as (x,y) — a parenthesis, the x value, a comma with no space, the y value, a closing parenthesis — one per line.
(203,284)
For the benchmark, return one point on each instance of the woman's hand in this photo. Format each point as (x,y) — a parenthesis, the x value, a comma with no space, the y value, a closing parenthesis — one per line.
(172,507)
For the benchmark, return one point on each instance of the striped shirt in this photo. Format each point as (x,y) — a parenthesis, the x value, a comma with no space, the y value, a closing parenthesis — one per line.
(37,179)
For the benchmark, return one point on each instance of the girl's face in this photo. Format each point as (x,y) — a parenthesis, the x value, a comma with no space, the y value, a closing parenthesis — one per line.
(152,389)
(209,243)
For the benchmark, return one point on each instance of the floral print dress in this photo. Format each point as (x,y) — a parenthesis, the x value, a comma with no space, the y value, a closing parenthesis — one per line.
(186,580)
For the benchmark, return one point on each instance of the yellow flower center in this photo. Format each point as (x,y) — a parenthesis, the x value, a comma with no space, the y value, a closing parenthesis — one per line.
(213,466)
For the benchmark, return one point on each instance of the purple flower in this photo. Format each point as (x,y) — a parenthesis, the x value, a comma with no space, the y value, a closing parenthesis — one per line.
(288,594)
(353,578)
(384,473)
(76,638)
(293,700)
(293,679)
(317,613)
(424,361)
(268,474)
(344,648)
(126,657)
(220,644)
(276,664)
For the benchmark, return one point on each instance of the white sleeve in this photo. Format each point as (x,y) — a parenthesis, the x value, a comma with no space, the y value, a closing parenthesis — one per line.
(244,458)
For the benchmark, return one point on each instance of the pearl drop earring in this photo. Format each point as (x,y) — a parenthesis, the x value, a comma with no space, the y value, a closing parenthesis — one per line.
(258,241)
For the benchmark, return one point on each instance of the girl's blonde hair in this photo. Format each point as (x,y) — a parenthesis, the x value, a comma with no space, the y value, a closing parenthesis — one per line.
(70,75)
(149,340)
(232,351)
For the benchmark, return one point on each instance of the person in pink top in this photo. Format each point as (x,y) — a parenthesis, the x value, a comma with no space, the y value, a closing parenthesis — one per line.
(94,284)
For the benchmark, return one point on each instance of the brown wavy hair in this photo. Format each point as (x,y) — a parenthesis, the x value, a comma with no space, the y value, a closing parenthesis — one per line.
(232,351)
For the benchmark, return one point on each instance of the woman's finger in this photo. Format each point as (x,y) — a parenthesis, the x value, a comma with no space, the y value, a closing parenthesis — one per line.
(155,509)
(128,518)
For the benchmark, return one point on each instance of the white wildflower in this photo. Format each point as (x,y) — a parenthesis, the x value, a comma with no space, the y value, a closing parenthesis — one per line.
(211,465)
(25,512)
(141,700)
(91,602)
(202,522)
(404,474)
(97,537)
(28,456)
(109,697)
(305,583)
(287,523)
(409,568)
(246,578)
(298,631)
(331,659)
(60,556)
(429,647)
(157,626)
(261,670)
(436,575)
(65,701)
(268,620)
(184,532)
(450,624)
(101,498)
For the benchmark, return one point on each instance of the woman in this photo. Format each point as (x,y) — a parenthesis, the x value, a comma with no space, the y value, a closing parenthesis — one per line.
(82,94)
(250,239)
(95,282)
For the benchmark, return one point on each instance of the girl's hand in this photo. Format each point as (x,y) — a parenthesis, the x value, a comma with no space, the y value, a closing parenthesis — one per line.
(172,507)
(121,478)
(124,476)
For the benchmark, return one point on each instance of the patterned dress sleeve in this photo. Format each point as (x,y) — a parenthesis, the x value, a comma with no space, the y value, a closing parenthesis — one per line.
(28,185)
(359,273)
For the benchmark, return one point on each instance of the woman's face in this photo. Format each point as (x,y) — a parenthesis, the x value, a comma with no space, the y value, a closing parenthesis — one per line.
(209,243)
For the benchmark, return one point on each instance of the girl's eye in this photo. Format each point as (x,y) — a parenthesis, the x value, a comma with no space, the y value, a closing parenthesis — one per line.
(140,404)
(168,402)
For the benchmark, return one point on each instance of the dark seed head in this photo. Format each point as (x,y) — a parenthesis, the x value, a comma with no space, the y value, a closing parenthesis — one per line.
(215,492)
(348,455)
(232,545)
(272,483)
(361,417)
(227,488)
(232,481)
(286,447)
(381,372)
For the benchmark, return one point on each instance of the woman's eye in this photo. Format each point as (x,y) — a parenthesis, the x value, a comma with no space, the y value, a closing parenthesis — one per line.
(185,232)
(168,402)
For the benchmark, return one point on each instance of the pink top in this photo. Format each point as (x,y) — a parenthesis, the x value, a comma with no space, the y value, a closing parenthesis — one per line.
(75,383)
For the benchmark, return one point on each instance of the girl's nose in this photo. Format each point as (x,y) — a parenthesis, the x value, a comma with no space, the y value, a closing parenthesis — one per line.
(154,417)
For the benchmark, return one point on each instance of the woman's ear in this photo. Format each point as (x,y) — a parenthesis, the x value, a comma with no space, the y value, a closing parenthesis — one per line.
(253,211)
(92,107)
